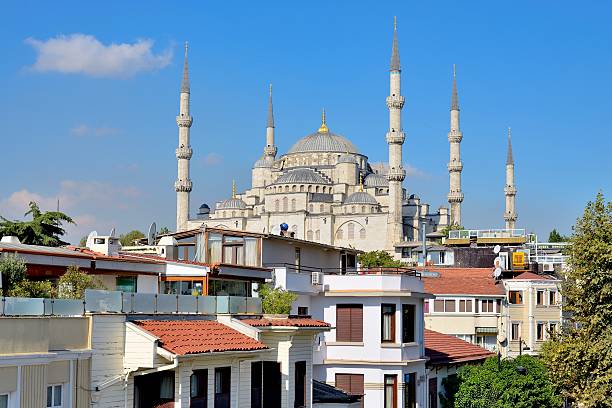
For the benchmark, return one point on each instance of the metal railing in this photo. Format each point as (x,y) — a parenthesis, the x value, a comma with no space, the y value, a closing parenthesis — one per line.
(102,301)
(375,270)
(488,233)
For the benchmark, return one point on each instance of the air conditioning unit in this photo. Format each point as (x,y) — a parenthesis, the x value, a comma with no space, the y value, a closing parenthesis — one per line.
(317,278)
(548,267)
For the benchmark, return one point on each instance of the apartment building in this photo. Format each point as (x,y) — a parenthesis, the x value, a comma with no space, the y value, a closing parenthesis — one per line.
(533,312)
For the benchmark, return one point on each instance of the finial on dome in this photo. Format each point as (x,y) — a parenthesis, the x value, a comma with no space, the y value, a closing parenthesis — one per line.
(360,182)
(233,188)
(323,128)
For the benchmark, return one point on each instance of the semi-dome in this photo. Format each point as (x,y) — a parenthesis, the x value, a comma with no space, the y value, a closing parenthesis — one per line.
(265,163)
(376,180)
(301,176)
(361,197)
(347,158)
(323,141)
(231,204)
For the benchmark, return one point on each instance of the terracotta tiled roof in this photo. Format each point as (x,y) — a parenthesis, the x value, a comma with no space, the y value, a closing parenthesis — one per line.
(183,337)
(288,322)
(533,276)
(447,349)
(463,281)
(119,257)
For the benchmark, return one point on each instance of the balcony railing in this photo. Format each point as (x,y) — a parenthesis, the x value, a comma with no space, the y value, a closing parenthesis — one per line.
(376,270)
(102,301)
(489,233)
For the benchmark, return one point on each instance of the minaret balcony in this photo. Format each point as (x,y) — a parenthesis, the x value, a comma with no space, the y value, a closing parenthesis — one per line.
(395,137)
(455,136)
(455,167)
(510,216)
(270,151)
(184,121)
(396,174)
(396,102)
(455,197)
(184,153)
(183,186)
(510,190)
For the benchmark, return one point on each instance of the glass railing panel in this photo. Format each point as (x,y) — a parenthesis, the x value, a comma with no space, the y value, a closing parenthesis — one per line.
(127,302)
(237,304)
(187,304)
(207,305)
(48,307)
(17,306)
(143,302)
(222,304)
(254,305)
(103,301)
(166,304)
(68,307)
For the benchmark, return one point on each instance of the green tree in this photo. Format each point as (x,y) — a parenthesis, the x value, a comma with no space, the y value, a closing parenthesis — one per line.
(276,300)
(522,382)
(580,357)
(45,228)
(13,270)
(448,228)
(73,283)
(130,238)
(83,241)
(32,289)
(379,258)
(555,236)
(163,231)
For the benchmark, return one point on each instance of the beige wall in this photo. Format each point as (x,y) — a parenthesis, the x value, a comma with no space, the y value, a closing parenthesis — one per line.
(24,335)
(8,379)
(82,383)
(69,333)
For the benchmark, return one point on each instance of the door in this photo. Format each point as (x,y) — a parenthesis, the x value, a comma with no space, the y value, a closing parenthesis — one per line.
(223,381)
(300,384)
(271,384)
(433,393)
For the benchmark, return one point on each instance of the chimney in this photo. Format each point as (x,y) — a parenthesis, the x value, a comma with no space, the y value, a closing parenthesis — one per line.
(167,247)
(106,245)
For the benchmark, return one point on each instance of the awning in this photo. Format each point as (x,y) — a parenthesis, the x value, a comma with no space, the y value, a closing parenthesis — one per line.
(492,330)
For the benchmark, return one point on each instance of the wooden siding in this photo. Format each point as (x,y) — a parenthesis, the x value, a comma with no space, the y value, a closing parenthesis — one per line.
(33,386)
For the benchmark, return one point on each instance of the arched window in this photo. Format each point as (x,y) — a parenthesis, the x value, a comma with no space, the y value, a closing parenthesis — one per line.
(276,205)
(302,188)
(294,188)
(310,189)
(363,208)
(353,209)
(339,234)
(311,208)
(285,204)
(286,189)
(372,209)
(309,235)
(322,208)
(351,231)
(233,213)
(362,233)
(317,235)
(293,204)
(317,190)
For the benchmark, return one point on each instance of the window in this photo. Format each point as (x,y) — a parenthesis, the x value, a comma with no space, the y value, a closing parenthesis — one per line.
(223,381)
(433,392)
(408,323)
(552,297)
(350,383)
(276,206)
(516,331)
(309,235)
(438,306)
(339,234)
(285,203)
(126,284)
(362,233)
(300,385)
(302,311)
(318,235)
(465,306)
(515,297)
(198,390)
(540,298)
(351,231)
(321,208)
(349,322)
(54,395)
(265,384)
(426,306)
(487,305)
(540,331)
(410,390)
(388,323)
(223,287)
(390,391)
(498,303)
(298,258)
(4,401)
(293,204)
(232,249)
(552,327)
(311,208)
(442,257)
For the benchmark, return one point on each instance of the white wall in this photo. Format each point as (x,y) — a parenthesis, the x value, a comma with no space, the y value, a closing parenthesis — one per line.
(147,284)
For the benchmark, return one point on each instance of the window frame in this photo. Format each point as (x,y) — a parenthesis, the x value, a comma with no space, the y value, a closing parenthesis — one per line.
(53,387)
(412,325)
(389,314)
(393,391)
(552,296)
(351,322)
(517,294)
(540,331)
(540,301)
(518,331)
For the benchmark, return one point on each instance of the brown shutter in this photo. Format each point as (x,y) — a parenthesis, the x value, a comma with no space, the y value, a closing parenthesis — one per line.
(343,323)
(343,382)
(357,384)
(357,323)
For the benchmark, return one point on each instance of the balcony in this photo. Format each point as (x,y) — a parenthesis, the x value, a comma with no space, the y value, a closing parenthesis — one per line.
(489,236)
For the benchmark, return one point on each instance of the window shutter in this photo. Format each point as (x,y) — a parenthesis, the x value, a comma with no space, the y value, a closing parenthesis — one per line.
(343,323)
(343,382)
(357,323)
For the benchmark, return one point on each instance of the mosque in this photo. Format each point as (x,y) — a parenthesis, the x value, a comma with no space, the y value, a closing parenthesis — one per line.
(325,190)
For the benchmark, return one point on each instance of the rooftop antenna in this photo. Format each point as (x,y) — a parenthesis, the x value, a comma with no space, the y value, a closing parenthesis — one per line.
(112,232)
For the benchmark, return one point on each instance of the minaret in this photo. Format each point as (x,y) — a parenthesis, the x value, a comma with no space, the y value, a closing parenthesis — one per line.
(455,195)
(183,184)
(270,149)
(510,189)
(395,140)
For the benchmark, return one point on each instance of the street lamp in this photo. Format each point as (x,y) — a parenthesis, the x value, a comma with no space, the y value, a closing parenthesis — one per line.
(521,348)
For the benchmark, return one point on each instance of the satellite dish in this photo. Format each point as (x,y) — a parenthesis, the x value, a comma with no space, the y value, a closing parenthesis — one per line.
(497,262)
(497,273)
(496,249)
(112,233)
(152,234)
(90,239)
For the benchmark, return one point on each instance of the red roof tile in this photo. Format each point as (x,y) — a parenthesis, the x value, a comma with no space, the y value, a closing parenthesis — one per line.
(446,349)
(463,281)
(288,322)
(198,336)
(533,276)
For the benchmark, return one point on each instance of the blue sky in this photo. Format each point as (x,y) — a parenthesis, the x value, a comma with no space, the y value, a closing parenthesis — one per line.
(95,127)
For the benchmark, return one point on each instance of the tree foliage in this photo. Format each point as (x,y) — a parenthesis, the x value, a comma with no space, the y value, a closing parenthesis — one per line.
(487,386)
(13,270)
(45,228)
(32,289)
(130,238)
(73,283)
(452,227)
(555,236)
(580,357)
(163,231)
(276,300)
(378,258)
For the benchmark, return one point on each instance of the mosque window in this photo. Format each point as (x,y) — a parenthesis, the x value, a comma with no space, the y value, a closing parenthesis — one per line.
(353,209)
(311,208)
(318,235)
(233,213)
(309,235)
(285,204)
(340,234)
(293,204)
(310,189)
(351,231)
(276,206)
(294,189)
(372,209)
(362,233)
(301,188)
(318,189)
(363,208)
(286,189)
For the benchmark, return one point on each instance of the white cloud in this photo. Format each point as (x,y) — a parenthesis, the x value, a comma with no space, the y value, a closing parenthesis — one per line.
(84,54)
(412,171)
(86,130)
(212,159)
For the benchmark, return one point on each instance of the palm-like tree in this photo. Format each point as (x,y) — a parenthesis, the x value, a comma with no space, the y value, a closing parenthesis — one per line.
(45,228)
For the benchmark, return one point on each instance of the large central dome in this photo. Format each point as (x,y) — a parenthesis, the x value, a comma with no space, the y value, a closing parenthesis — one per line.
(323,141)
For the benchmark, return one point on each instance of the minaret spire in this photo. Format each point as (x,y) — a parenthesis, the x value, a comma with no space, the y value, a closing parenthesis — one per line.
(323,128)
(183,184)
(270,149)
(270,110)
(455,195)
(395,139)
(510,189)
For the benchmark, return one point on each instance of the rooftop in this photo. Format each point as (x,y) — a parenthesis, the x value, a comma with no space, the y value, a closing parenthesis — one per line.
(324,393)
(533,276)
(447,349)
(463,281)
(183,337)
